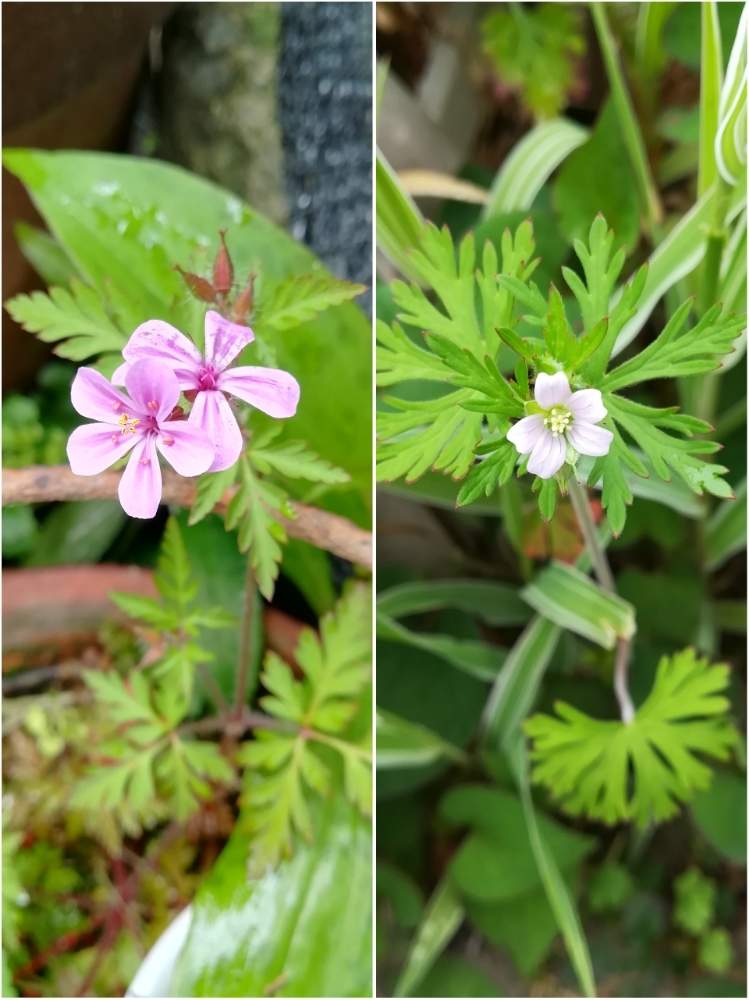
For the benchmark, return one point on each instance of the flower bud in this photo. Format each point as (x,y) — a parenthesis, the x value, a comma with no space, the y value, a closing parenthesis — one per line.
(223,269)
(244,302)
(199,287)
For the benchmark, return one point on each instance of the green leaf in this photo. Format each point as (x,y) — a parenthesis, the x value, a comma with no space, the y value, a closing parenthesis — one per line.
(146,609)
(74,320)
(399,221)
(694,901)
(443,915)
(44,254)
(573,601)
(493,602)
(725,532)
(19,530)
(295,460)
(299,298)
(720,815)
(530,163)
(211,488)
(77,532)
(677,351)
(585,763)
(535,52)
(454,976)
(479,659)
(489,474)
(711,78)
(401,743)
(716,951)
(313,911)
(597,177)
(730,141)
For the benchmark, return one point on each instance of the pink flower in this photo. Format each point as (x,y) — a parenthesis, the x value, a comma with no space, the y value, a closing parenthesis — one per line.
(271,390)
(139,424)
(561,417)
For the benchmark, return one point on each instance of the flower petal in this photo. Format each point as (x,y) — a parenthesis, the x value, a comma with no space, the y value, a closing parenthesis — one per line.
(94,397)
(550,390)
(92,448)
(271,390)
(548,455)
(526,432)
(224,340)
(187,449)
(587,405)
(212,416)
(118,375)
(140,486)
(589,439)
(161,341)
(153,387)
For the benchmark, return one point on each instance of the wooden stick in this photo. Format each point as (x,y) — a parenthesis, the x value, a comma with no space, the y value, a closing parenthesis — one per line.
(50,483)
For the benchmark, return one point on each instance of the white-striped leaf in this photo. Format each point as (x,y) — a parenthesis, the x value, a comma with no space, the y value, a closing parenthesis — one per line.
(401,743)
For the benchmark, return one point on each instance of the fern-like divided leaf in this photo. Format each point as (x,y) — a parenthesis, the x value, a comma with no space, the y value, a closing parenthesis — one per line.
(645,770)
(74,320)
(317,731)
(260,506)
(300,298)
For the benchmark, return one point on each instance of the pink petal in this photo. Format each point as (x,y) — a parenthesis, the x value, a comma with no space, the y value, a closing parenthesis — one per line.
(588,439)
(525,433)
(212,416)
(153,387)
(118,375)
(94,397)
(548,455)
(587,405)
(157,340)
(550,390)
(186,449)
(140,486)
(92,448)
(224,340)
(271,390)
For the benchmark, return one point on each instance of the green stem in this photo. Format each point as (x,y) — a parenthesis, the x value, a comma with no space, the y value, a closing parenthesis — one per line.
(245,641)
(631,133)
(605,577)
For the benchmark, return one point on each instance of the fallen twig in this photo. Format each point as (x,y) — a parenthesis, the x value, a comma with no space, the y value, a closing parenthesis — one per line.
(50,483)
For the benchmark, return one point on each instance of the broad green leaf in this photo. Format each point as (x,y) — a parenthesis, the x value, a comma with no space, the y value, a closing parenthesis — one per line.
(720,814)
(725,533)
(443,915)
(302,929)
(44,254)
(454,976)
(401,743)
(125,221)
(530,163)
(573,601)
(598,177)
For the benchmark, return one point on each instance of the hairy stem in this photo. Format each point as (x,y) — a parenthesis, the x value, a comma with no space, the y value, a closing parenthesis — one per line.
(602,570)
(244,664)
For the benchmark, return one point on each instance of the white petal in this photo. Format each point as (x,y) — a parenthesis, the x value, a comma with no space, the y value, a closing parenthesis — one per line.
(525,433)
(587,405)
(588,439)
(548,455)
(550,390)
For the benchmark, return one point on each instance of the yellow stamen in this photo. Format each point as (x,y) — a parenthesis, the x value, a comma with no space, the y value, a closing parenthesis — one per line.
(128,424)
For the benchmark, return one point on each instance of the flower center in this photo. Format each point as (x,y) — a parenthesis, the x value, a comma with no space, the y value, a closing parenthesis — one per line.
(207,377)
(558,419)
(128,424)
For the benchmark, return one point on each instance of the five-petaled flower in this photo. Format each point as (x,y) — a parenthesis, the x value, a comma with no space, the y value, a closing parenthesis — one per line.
(271,390)
(561,417)
(138,422)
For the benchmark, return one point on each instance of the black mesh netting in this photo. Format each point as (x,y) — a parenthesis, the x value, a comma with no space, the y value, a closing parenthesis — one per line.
(325,97)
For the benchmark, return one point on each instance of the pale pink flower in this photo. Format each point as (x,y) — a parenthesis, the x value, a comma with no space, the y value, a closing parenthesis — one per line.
(562,417)
(139,423)
(271,390)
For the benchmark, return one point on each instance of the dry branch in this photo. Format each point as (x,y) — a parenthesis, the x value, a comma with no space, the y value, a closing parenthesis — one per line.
(50,483)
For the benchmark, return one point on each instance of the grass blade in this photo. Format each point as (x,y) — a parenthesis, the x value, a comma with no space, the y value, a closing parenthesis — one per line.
(401,743)
(443,915)
(531,163)
(399,222)
(711,78)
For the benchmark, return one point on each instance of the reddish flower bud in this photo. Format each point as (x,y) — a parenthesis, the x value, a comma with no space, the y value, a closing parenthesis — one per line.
(244,302)
(223,269)
(190,395)
(199,287)
(177,414)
